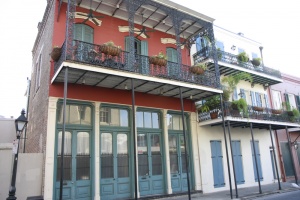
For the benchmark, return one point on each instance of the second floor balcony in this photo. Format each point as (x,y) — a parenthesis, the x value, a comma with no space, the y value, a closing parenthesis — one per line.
(229,63)
(263,116)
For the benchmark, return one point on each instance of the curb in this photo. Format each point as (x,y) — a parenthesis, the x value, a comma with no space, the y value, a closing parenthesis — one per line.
(268,193)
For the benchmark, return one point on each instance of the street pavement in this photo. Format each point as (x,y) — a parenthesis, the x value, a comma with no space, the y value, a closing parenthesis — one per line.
(243,193)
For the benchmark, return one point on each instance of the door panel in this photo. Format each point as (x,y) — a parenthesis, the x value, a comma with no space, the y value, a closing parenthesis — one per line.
(115,181)
(217,163)
(237,159)
(258,160)
(177,163)
(150,164)
(287,161)
(77,159)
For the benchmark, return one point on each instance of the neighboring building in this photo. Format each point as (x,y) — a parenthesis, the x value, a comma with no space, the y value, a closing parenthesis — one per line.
(255,123)
(288,91)
(122,110)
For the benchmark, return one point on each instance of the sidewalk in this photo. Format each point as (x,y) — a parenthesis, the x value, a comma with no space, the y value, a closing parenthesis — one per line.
(243,193)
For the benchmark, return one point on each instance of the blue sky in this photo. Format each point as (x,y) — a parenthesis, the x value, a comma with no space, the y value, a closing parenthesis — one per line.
(273,23)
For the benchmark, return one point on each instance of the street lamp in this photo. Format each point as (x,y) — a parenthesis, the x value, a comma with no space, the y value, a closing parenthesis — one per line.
(20,123)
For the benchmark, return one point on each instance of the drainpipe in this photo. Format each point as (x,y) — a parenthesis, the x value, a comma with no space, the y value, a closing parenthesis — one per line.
(27,106)
(274,155)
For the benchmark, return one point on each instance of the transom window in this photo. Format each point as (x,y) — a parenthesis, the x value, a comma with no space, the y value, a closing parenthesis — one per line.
(113,117)
(75,114)
(174,122)
(148,119)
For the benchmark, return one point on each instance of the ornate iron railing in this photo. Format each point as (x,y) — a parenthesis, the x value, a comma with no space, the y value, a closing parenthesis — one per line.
(252,112)
(88,53)
(226,57)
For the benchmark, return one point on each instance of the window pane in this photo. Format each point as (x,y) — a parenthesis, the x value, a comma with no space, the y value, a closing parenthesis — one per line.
(60,113)
(83,156)
(75,114)
(67,156)
(142,155)
(86,115)
(114,117)
(176,123)
(124,118)
(173,154)
(123,158)
(169,121)
(183,154)
(140,119)
(106,156)
(104,116)
(156,155)
(155,120)
(147,120)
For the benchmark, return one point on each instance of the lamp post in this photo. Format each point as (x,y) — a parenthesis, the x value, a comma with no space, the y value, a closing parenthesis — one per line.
(20,124)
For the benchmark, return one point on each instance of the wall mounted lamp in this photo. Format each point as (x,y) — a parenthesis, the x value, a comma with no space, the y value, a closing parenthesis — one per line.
(266,86)
(233,47)
(252,84)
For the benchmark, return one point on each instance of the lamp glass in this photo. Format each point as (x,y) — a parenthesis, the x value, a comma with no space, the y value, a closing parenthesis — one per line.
(20,125)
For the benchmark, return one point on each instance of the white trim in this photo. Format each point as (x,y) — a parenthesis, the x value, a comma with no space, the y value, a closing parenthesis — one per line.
(132,75)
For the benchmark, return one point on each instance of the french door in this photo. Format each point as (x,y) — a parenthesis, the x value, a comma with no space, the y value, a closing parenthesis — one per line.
(178,163)
(150,163)
(77,165)
(114,165)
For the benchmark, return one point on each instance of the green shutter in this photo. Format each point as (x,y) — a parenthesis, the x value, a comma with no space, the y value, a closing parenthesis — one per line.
(84,33)
(127,44)
(144,48)
(298,104)
(172,55)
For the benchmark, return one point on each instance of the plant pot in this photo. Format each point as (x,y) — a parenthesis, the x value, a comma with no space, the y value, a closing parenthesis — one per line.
(213,115)
(110,50)
(197,70)
(276,112)
(256,63)
(235,113)
(157,61)
(257,108)
(290,113)
(56,53)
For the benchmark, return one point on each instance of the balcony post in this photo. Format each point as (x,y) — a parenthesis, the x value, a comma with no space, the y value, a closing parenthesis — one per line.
(131,11)
(71,9)
(275,160)
(262,60)
(226,147)
(177,18)
(232,160)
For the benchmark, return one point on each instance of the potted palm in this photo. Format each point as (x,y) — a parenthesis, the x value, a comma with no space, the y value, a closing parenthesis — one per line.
(243,57)
(212,104)
(160,59)
(199,68)
(109,48)
(55,53)
(238,107)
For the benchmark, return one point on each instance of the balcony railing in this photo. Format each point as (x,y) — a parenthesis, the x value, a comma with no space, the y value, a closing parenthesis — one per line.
(229,58)
(91,54)
(253,112)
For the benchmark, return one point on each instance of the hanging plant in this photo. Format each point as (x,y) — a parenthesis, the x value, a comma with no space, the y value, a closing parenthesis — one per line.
(55,53)
(160,59)
(256,62)
(243,57)
(109,48)
(199,68)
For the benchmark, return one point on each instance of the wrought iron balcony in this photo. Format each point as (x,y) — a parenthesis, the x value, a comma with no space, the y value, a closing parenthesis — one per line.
(92,54)
(229,58)
(253,112)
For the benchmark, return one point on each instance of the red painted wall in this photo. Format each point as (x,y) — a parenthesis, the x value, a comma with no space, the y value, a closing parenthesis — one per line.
(90,93)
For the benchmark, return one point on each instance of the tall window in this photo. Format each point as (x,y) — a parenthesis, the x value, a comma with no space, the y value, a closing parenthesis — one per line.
(292,101)
(174,122)
(38,73)
(75,114)
(172,55)
(277,101)
(84,33)
(220,45)
(147,119)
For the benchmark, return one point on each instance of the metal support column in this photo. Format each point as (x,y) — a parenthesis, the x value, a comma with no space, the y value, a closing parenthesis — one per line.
(185,141)
(232,160)
(226,147)
(256,165)
(275,160)
(292,157)
(134,140)
(63,134)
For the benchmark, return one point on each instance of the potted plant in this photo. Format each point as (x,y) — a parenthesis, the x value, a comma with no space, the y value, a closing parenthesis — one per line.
(232,81)
(276,111)
(55,53)
(258,108)
(243,57)
(109,48)
(160,59)
(296,115)
(256,62)
(240,106)
(199,68)
(212,104)
(226,94)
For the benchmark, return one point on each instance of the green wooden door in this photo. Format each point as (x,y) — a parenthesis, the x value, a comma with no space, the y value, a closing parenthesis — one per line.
(177,163)
(114,165)
(150,168)
(77,165)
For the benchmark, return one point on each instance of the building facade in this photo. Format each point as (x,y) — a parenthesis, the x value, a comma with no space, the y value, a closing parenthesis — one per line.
(236,144)
(112,120)
(287,93)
